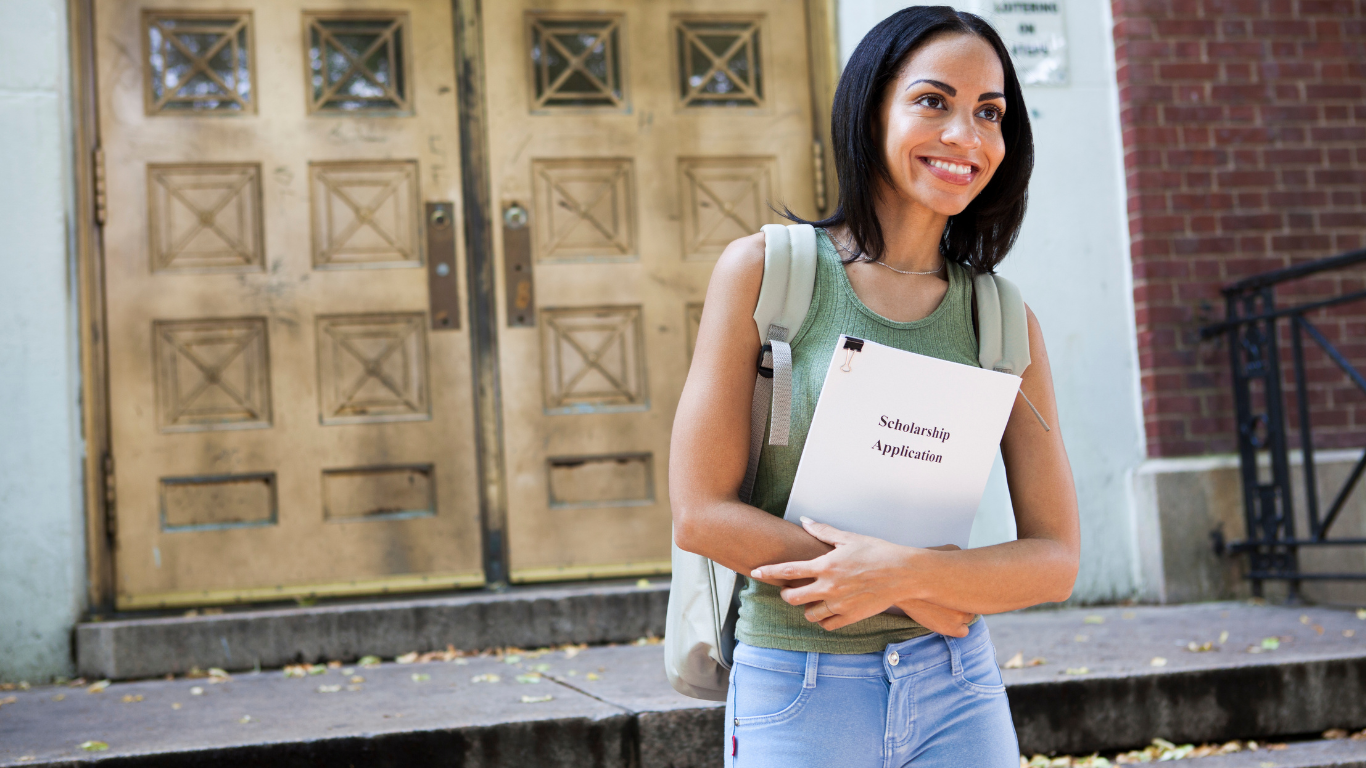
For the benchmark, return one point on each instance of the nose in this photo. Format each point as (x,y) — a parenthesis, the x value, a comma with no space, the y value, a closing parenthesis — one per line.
(961,131)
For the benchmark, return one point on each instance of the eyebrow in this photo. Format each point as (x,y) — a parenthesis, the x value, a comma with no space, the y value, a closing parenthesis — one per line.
(950,90)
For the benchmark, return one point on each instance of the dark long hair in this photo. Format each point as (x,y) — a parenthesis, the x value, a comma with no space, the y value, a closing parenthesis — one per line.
(984,232)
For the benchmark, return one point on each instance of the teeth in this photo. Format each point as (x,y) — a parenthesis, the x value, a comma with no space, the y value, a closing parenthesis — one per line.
(961,170)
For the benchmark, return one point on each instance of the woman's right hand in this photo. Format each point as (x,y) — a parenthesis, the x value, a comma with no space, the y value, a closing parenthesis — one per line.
(937,618)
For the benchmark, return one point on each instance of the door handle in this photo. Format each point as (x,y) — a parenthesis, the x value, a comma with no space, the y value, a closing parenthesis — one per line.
(443,289)
(521,291)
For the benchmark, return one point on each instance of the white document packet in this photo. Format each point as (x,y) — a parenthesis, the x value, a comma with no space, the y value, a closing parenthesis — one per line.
(901,445)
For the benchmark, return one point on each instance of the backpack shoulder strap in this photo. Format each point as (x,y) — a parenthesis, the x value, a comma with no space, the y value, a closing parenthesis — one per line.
(1003,327)
(789,278)
(784,299)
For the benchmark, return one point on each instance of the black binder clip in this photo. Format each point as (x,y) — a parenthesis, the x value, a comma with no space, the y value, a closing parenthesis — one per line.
(851,345)
(765,370)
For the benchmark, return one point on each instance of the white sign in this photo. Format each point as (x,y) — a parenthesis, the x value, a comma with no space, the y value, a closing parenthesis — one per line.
(1036,37)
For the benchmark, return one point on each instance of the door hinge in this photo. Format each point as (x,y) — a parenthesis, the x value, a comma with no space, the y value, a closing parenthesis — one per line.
(818,173)
(101,195)
(110,498)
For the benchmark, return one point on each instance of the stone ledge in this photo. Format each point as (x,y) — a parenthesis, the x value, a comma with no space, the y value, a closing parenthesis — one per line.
(522,616)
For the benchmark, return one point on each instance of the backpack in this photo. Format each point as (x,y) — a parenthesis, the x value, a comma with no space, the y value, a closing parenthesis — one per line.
(704,596)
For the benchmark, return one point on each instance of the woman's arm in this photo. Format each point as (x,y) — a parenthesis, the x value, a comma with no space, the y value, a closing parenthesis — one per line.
(863,575)
(709,447)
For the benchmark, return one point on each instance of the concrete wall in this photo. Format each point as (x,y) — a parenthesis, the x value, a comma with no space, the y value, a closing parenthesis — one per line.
(42,541)
(1072,264)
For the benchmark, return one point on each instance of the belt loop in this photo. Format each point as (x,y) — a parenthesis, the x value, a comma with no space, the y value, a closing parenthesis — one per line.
(955,655)
(812,663)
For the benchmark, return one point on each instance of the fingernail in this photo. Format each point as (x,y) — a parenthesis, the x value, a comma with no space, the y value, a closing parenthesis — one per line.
(757,573)
(806,519)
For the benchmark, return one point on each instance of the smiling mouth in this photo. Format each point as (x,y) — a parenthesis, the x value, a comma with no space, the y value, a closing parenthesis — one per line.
(954,173)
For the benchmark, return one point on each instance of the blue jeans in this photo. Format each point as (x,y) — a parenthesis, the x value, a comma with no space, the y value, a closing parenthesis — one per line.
(930,702)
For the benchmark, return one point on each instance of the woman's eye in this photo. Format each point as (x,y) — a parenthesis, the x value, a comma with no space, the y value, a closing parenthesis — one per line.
(931,100)
(991,113)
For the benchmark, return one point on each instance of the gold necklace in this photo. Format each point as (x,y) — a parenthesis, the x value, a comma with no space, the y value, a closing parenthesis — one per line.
(861,258)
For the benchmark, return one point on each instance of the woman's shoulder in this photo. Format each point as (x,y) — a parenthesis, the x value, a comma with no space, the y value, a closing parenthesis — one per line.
(743,256)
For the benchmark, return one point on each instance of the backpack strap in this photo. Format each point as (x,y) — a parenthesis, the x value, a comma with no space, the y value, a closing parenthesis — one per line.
(1003,327)
(1003,330)
(784,298)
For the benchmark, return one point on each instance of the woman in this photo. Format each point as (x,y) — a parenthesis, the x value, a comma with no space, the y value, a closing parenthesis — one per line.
(853,651)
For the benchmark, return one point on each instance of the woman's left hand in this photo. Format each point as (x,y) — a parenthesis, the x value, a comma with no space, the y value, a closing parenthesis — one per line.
(863,576)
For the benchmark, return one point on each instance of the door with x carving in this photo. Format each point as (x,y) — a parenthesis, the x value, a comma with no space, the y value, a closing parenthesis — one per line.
(629,143)
(288,376)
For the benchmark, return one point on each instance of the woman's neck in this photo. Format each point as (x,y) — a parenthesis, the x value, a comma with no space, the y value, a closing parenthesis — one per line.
(910,234)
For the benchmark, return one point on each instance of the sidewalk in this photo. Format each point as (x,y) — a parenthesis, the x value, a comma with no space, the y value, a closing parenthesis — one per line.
(1274,675)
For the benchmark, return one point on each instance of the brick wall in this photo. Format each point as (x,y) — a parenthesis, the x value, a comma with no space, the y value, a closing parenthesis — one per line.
(1245,150)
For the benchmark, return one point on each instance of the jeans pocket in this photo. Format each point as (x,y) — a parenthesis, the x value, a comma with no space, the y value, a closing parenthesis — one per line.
(764,696)
(978,672)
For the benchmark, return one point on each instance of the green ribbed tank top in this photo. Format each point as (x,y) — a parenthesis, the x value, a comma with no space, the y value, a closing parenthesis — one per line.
(765,620)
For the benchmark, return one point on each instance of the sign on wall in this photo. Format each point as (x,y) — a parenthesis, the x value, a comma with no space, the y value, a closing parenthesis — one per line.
(1035,35)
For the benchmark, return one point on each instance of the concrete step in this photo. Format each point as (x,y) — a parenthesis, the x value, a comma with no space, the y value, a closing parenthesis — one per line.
(1095,690)
(239,639)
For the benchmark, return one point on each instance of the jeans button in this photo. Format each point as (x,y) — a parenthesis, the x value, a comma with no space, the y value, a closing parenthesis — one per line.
(894,658)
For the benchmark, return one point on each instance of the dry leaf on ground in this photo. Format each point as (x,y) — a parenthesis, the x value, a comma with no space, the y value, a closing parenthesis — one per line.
(1015,662)
(536,699)
(94,746)
(98,687)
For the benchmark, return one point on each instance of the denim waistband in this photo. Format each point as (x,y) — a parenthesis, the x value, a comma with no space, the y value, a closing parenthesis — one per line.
(913,656)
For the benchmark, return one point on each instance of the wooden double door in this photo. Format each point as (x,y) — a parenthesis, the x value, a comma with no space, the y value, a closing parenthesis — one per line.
(304,395)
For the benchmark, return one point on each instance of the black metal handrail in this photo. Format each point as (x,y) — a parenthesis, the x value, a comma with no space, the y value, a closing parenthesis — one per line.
(1250,324)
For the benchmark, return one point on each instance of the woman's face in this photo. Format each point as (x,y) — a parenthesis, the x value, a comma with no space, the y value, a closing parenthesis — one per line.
(942,123)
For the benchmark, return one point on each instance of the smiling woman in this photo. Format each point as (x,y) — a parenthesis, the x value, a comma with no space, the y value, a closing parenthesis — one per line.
(853,651)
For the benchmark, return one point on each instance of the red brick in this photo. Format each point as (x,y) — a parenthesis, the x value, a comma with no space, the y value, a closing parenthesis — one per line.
(1188,71)
(1248,49)
(1334,91)
(1205,202)
(1282,28)
(1306,155)
(1246,178)
(1343,219)
(1253,222)
(1185,27)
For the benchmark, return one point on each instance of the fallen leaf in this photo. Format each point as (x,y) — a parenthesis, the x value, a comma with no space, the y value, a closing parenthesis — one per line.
(245,719)
(1223,637)
(487,678)
(334,664)
(1158,661)
(1304,618)
(421,677)
(1195,647)
(529,679)
(1082,638)
(59,697)
(1093,620)
(643,583)
(357,679)
(512,659)
(1015,662)
(94,746)
(1335,733)
(196,691)
(296,670)
(536,699)
(1271,643)
(217,675)
(1037,661)
(1317,628)
(175,705)
(369,661)
(131,698)
(348,671)
(317,669)
(592,676)
(1361,614)
(329,688)
(1348,633)
(353,687)
(8,700)
(1128,615)
(98,687)
(649,640)
(1077,670)
(407,658)
(570,651)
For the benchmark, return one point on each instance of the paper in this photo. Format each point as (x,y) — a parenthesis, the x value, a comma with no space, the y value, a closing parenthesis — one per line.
(901,445)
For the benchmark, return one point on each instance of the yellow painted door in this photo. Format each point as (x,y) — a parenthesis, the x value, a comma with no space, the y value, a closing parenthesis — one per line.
(288,376)
(628,143)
